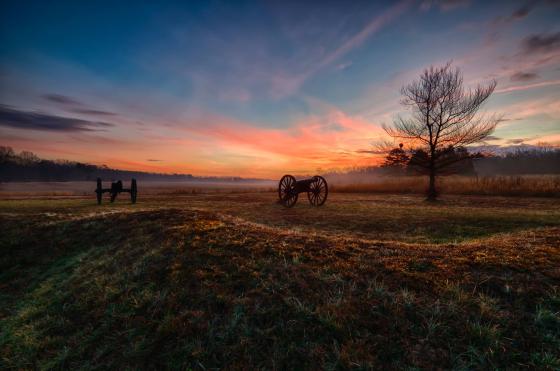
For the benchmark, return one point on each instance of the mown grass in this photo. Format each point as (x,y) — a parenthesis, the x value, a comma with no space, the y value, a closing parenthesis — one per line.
(175,284)
(404,218)
(392,217)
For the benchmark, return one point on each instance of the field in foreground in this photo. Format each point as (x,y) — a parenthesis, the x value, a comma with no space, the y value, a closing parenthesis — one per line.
(237,281)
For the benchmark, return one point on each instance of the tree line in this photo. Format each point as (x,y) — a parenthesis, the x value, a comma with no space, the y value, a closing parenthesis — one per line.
(459,161)
(523,161)
(448,161)
(25,166)
(28,167)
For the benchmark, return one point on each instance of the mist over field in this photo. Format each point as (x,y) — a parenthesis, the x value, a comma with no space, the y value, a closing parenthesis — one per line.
(85,188)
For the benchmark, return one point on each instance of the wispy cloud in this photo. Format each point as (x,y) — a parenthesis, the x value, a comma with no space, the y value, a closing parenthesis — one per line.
(517,140)
(523,76)
(343,66)
(27,120)
(518,14)
(444,5)
(541,43)
(371,151)
(371,28)
(521,12)
(93,112)
(61,99)
(528,86)
(75,106)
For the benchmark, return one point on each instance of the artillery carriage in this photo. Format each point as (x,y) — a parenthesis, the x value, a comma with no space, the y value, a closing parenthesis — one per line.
(289,189)
(116,188)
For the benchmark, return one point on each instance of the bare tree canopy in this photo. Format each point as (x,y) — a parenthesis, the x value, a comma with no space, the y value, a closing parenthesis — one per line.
(444,116)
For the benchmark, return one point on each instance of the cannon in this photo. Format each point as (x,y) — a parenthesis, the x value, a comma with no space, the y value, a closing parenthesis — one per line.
(289,188)
(116,188)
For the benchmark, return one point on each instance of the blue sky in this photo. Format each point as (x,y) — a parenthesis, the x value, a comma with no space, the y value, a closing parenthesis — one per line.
(259,88)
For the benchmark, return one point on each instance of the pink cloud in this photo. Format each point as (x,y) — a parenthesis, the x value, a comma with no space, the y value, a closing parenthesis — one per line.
(326,141)
(528,86)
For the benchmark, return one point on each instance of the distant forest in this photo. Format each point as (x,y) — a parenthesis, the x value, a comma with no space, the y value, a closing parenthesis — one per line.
(28,167)
(460,161)
(519,161)
(523,161)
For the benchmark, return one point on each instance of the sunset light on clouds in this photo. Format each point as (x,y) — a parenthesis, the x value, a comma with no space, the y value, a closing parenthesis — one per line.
(258,89)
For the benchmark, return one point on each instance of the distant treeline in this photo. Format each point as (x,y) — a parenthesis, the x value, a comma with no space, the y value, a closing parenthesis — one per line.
(28,167)
(521,161)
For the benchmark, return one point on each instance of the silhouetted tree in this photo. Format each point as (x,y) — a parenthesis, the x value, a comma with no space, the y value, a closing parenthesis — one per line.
(448,161)
(6,154)
(444,117)
(397,159)
(418,162)
(462,161)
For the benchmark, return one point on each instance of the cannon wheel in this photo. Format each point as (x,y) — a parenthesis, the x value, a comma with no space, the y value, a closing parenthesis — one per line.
(99,191)
(318,191)
(133,191)
(287,191)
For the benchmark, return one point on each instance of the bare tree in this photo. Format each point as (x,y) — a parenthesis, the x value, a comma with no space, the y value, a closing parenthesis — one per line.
(444,117)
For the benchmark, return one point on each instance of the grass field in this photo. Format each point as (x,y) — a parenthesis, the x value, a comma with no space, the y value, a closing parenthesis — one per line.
(527,185)
(234,280)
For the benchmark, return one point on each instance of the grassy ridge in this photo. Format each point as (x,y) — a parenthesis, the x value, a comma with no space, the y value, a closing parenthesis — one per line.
(179,286)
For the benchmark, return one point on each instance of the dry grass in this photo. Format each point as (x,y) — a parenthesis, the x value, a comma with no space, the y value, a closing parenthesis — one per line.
(238,282)
(523,186)
(528,186)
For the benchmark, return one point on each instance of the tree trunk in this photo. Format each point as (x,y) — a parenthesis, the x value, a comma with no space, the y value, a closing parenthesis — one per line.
(432,193)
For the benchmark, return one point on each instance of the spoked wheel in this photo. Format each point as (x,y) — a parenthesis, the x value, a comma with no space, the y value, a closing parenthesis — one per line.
(318,191)
(287,191)
(133,191)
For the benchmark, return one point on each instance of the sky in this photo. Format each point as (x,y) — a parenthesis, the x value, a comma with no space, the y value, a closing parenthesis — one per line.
(259,88)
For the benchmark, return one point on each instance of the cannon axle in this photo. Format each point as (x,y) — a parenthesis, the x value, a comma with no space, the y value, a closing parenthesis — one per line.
(289,189)
(116,188)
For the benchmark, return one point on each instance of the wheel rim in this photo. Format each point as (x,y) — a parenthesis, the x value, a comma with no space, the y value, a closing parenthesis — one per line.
(318,191)
(286,191)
